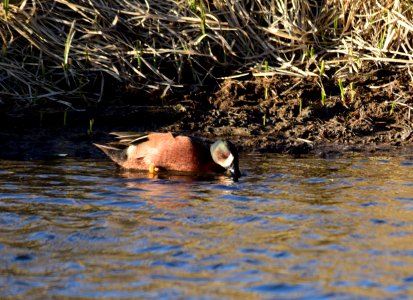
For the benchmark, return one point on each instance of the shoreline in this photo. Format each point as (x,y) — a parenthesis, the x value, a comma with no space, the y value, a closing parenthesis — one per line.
(291,119)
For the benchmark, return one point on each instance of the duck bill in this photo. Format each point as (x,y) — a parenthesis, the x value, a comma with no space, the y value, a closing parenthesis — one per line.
(234,173)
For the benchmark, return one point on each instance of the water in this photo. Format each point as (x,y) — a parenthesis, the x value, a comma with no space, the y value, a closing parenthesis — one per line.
(290,228)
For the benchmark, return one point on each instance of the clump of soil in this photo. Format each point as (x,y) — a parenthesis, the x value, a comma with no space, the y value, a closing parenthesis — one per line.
(277,114)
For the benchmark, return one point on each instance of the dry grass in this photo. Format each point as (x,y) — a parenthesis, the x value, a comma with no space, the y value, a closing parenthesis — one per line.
(64,50)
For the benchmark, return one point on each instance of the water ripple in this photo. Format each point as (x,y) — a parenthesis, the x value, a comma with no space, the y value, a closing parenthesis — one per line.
(291,228)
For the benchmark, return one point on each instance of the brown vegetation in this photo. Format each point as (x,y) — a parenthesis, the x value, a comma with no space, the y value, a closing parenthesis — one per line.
(66,50)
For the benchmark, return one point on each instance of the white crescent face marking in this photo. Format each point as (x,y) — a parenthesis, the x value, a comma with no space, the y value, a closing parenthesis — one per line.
(228,161)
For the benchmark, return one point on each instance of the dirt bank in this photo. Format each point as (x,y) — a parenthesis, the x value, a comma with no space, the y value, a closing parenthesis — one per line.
(277,114)
(284,114)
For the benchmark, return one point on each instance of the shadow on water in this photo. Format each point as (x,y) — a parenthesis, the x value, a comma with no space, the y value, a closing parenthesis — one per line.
(290,228)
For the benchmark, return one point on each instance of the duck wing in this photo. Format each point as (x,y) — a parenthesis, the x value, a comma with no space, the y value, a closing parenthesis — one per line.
(129,138)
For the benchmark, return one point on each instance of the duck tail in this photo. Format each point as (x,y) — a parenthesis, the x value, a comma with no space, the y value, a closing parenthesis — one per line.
(116,154)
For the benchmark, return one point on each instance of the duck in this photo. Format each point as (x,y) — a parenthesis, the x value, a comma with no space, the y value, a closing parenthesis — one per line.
(158,152)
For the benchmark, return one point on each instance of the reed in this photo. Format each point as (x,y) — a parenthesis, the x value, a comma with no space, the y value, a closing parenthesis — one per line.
(90,129)
(6,7)
(342,92)
(323,96)
(164,45)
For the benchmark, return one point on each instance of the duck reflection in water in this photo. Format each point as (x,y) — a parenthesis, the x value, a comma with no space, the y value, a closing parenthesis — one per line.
(169,189)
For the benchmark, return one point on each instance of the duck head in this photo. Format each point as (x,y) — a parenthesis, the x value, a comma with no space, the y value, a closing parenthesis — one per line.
(225,154)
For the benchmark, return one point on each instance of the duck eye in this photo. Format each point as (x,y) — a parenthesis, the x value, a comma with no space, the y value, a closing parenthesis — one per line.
(224,155)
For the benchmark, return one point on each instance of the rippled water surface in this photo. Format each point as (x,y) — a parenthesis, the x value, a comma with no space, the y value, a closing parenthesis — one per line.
(290,228)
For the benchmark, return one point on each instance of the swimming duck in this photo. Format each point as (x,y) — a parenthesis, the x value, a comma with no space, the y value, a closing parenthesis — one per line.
(164,151)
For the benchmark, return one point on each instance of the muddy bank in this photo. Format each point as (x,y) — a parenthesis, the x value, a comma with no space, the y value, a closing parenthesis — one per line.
(278,114)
